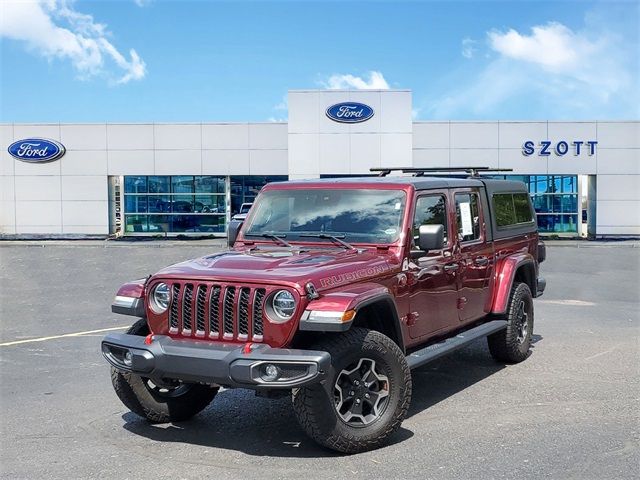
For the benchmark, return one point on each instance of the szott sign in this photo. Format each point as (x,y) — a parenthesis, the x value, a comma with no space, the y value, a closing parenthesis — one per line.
(36,150)
(350,112)
(545,148)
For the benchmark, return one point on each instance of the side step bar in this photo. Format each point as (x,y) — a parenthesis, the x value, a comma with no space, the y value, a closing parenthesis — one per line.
(430,353)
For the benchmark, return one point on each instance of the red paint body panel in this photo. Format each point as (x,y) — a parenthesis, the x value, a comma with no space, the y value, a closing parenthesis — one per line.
(133,289)
(430,299)
(503,280)
(348,298)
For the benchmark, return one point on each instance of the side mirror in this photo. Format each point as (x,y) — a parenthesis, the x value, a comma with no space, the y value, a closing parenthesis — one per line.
(232,231)
(431,237)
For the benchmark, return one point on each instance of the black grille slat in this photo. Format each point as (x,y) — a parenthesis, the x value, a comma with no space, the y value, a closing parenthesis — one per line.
(187,310)
(201,298)
(258,311)
(173,312)
(206,309)
(228,317)
(243,311)
(214,310)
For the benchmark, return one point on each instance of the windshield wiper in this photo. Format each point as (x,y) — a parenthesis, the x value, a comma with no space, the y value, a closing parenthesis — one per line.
(272,236)
(335,238)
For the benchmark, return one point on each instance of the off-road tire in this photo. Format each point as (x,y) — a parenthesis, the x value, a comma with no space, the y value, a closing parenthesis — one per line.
(133,391)
(314,406)
(505,345)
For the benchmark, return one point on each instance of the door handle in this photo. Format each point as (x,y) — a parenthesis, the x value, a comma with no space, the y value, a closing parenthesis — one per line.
(451,267)
(481,261)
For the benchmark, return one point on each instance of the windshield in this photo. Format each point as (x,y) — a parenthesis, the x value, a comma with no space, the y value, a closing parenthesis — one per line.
(365,216)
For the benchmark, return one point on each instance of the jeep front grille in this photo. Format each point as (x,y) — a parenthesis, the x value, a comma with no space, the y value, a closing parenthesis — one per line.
(217,311)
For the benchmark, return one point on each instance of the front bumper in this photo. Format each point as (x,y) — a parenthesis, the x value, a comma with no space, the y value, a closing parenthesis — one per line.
(214,363)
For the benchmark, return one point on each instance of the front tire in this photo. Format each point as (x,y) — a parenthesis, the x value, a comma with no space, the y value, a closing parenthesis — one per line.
(366,397)
(159,403)
(513,344)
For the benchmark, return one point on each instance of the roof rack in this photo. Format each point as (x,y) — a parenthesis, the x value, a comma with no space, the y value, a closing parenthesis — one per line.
(419,171)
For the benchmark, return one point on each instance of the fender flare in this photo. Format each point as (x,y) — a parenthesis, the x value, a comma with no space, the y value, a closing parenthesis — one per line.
(338,310)
(504,277)
(130,299)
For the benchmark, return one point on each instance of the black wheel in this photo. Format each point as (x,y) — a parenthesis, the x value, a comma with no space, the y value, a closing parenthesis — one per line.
(513,344)
(366,396)
(171,402)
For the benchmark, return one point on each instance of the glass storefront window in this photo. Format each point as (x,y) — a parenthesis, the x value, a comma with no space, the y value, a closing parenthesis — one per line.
(185,203)
(182,204)
(158,184)
(209,204)
(182,184)
(158,203)
(209,185)
(558,223)
(245,188)
(135,204)
(135,184)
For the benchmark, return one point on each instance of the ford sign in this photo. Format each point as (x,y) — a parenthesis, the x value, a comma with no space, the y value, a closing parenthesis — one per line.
(349,112)
(36,150)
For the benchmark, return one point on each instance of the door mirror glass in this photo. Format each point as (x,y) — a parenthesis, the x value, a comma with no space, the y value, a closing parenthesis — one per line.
(431,237)
(232,231)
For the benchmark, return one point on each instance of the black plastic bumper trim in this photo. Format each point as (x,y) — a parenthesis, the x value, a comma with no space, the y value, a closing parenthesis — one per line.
(541,285)
(211,363)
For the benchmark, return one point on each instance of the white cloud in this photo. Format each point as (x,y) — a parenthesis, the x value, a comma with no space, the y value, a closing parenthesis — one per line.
(468,47)
(550,72)
(375,81)
(552,46)
(142,3)
(55,30)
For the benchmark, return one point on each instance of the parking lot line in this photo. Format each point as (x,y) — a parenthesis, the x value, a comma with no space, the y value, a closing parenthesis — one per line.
(53,337)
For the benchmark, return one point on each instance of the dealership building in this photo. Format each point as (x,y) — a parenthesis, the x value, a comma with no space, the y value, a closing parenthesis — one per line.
(190,178)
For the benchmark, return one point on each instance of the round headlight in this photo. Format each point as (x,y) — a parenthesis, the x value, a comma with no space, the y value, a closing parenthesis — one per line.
(284,305)
(160,298)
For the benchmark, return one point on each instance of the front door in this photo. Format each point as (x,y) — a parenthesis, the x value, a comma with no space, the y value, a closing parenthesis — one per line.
(475,256)
(432,276)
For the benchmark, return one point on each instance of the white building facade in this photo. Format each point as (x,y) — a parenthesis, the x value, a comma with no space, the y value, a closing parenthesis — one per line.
(168,179)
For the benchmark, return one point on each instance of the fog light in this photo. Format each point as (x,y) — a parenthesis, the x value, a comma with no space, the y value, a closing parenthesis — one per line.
(128,358)
(271,373)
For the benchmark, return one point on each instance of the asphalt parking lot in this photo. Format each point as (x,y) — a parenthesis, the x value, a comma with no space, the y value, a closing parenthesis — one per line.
(572,410)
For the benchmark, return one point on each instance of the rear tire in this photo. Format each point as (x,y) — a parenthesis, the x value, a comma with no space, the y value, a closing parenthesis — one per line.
(157,403)
(366,397)
(513,344)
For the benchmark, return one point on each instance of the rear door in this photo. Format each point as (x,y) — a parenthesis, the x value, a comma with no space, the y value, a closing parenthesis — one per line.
(431,282)
(474,254)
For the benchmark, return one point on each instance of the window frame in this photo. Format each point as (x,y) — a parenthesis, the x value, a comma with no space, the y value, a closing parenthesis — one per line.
(434,193)
(481,220)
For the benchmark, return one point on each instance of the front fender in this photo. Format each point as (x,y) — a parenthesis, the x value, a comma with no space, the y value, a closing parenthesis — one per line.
(130,299)
(336,311)
(504,276)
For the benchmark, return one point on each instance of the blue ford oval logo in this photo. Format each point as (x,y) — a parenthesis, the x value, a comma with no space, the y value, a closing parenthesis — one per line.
(350,112)
(36,150)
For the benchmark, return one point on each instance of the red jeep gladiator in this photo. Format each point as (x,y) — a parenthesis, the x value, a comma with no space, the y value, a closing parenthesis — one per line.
(332,291)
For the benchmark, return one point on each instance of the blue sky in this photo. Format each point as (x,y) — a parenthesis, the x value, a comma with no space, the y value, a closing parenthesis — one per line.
(165,61)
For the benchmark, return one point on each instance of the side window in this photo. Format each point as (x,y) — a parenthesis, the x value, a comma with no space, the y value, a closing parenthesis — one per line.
(430,210)
(468,216)
(512,209)
(522,207)
(504,211)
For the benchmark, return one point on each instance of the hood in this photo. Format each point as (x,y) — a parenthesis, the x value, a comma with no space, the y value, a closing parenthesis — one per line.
(325,267)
